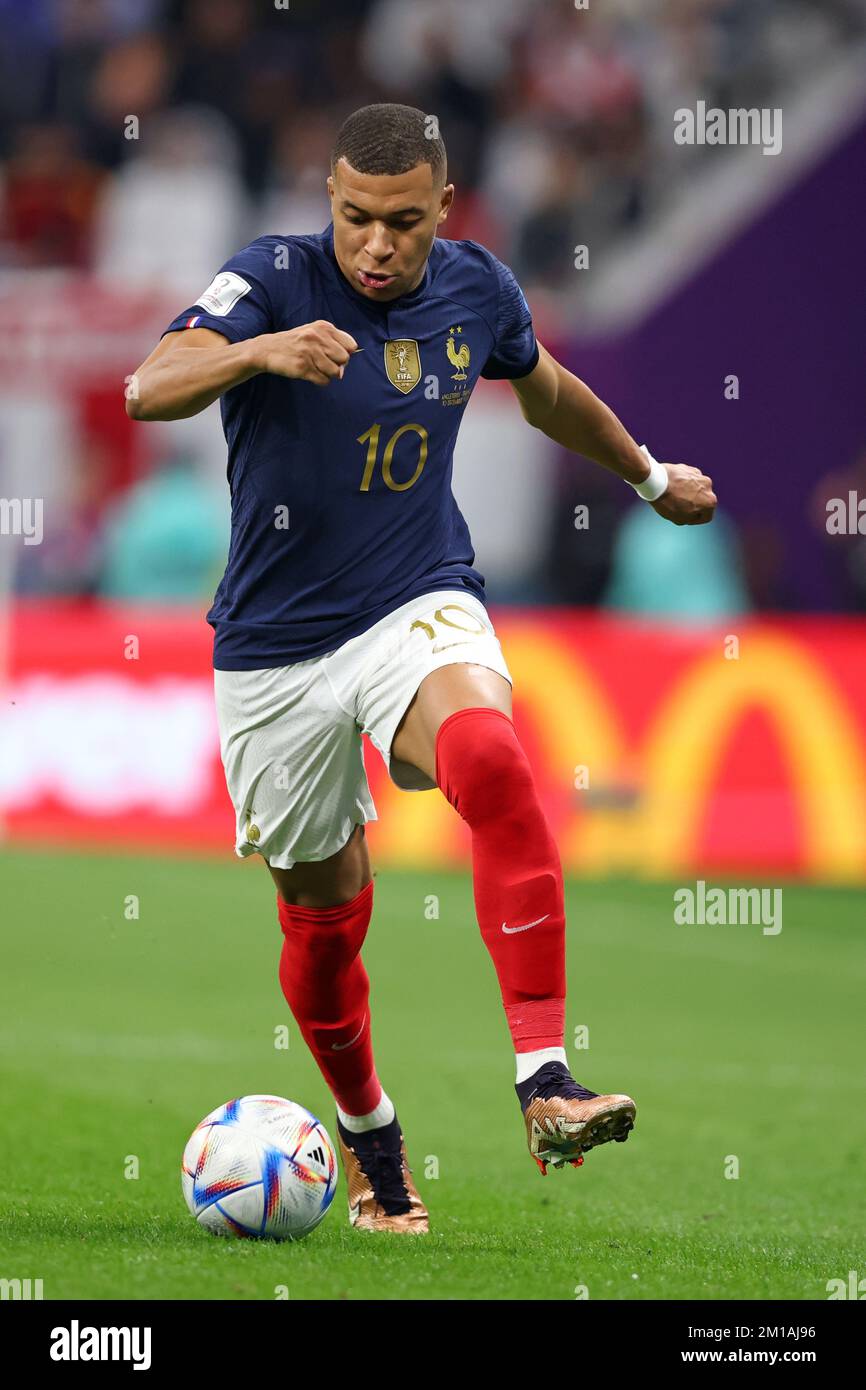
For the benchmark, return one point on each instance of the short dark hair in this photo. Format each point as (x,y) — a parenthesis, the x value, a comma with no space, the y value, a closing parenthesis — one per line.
(390,139)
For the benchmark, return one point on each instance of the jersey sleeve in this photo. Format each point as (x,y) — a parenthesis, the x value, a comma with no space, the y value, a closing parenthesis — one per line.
(238,301)
(515,350)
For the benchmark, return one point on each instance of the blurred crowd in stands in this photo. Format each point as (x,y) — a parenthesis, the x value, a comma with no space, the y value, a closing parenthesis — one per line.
(145,140)
(558,133)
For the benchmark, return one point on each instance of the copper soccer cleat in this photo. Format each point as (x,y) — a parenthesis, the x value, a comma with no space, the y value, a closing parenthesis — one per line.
(382,1195)
(564,1120)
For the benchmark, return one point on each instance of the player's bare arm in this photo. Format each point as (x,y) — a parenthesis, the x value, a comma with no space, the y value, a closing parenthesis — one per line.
(190,368)
(564,408)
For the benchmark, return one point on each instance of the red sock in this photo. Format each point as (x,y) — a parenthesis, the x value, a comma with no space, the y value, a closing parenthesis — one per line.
(327,990)
(485,774)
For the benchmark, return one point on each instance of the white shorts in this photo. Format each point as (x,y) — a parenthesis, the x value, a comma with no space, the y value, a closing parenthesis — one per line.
(290,736)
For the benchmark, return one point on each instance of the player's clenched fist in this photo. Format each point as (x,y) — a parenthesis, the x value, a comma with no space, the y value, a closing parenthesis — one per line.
(316,352)
(689,499)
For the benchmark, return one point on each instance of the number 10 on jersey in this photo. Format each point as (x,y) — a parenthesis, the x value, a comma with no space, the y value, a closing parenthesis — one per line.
(371,438)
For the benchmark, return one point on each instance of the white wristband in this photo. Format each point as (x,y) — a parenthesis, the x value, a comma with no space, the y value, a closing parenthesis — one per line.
(656,483)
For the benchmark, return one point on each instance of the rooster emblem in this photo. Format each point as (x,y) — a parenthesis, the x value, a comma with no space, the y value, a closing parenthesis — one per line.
(458,357)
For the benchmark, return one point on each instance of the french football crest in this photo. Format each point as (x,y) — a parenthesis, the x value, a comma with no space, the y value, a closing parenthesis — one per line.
(403,363)
(458,357)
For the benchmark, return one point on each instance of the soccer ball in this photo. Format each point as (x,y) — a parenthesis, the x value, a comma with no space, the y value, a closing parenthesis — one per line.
(259,1166)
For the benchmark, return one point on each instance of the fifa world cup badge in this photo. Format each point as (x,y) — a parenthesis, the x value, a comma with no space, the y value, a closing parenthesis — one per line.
(403,364)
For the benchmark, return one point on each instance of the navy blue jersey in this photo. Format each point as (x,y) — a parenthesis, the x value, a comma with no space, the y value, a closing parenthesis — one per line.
(342,508)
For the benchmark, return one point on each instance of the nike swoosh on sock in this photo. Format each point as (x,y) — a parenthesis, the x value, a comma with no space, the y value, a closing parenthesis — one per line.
(339,1047)
(509,931)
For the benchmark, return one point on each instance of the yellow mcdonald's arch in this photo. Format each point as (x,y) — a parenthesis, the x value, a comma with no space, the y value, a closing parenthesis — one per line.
(574,722)
(823,746)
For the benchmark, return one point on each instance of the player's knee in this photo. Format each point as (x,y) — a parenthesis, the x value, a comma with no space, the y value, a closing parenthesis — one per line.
(328,882)
(487,772)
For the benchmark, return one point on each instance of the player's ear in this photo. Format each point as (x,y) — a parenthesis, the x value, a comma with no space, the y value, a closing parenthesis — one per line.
(329,183)
(445,202)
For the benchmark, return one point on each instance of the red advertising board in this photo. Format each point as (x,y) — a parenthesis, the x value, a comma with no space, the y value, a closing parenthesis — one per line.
(658,750)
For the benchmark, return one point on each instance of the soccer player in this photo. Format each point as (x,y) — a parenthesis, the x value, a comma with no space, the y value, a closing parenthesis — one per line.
(350,604)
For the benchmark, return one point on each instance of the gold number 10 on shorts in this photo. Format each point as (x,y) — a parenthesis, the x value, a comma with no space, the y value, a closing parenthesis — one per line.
(373,451)
(439,617)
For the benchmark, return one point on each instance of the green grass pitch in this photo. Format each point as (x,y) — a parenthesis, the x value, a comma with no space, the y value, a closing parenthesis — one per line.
(119,1035)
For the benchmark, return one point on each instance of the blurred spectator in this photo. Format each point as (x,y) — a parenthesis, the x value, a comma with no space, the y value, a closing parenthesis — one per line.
(49,199)
(128,84)
(296,199)
(166,539)
(837,510)
(588,504)
(69,560)
(763,546)
(171,217)
(580,73)
(218,69)
(545,242)
(25,56)
(518,171)
(690,573)
(476,36)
